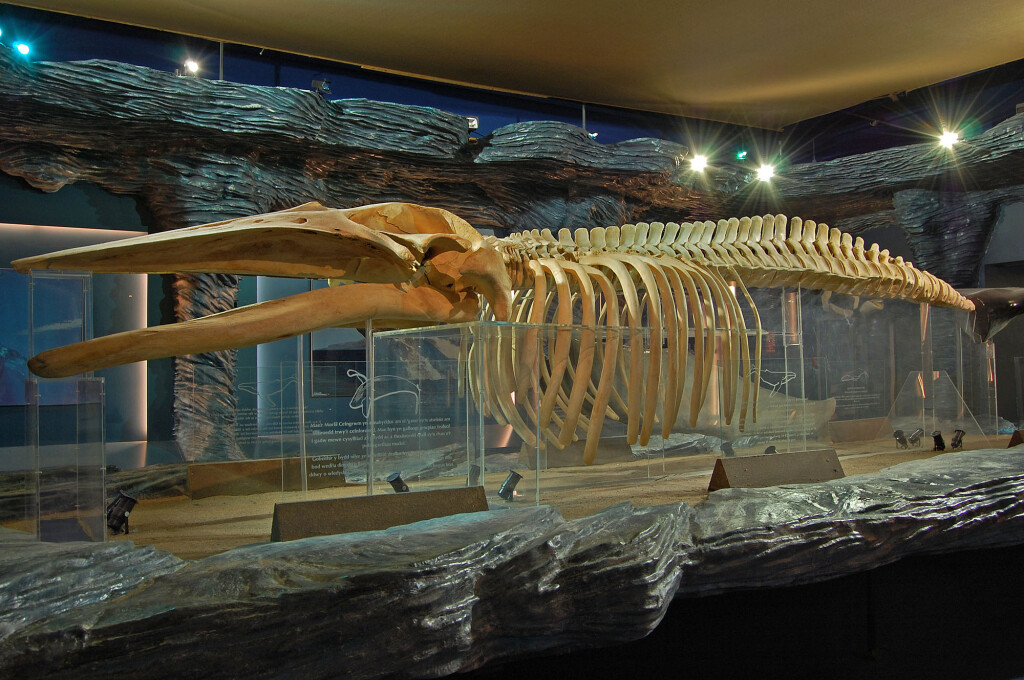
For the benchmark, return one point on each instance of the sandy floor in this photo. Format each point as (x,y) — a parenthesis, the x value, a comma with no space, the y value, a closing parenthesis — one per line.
(197,528)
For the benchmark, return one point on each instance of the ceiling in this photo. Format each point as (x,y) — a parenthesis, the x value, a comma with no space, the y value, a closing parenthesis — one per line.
(751,62)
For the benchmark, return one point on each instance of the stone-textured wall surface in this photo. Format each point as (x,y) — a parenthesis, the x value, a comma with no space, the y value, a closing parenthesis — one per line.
(455,593)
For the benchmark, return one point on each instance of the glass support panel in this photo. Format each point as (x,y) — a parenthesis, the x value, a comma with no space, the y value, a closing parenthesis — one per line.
(69,441)
(421,431)
(18,464)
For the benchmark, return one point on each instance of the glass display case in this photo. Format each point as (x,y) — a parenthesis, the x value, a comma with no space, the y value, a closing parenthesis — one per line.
(66,419)
(297,426)
(258,448)
(52,455)
(67,438)
(473,404)
(18,487)
(436,420)
(572,416)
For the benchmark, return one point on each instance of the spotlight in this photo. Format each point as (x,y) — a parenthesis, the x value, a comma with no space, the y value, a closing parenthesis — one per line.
(765,173)
(23,49)
(915,437)
(741,155)
(958,440)
(321,86)
(948,139)
(190,68)
(771,450)
(474,122)
(940,443)
(728,450)
(118,511)
(901,439)
(508,487)
(397,483)
(592,135)
(699,162)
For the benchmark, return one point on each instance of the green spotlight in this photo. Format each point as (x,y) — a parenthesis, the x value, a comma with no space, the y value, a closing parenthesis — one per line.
(741,155)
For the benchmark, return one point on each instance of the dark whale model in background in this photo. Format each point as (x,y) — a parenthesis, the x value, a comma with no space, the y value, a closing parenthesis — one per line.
(993,309)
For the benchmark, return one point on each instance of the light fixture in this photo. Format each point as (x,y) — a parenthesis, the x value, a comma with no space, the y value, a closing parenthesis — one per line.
(592,135)
(397,483)
(765,172)
(189,68)
(474,122)
(699,162)
(741,155)
(23,49)
(508,487)
(321,86)
(118,511)
(949,138)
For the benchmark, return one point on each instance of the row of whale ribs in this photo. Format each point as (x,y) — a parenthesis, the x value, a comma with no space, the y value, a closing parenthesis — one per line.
(622,287)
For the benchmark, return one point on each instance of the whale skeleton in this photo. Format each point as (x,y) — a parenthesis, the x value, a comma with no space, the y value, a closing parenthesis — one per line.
(594,298)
